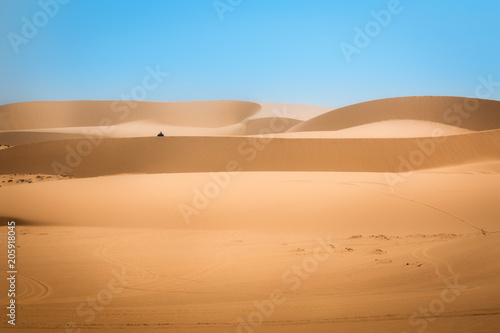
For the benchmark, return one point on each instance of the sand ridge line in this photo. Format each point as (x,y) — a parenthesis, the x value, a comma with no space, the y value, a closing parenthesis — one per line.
(362,184)
(481,115)
(420,203)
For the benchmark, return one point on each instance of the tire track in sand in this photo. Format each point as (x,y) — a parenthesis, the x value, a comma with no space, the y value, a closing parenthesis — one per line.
(394,190)
(421,253)
(30,289)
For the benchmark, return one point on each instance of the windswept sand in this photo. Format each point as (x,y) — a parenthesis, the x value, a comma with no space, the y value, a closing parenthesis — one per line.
(253,217)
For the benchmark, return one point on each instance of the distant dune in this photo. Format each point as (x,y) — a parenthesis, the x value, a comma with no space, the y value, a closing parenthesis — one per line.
(467,113)
(29,122)
(377,136)
(33,115)
(401,128)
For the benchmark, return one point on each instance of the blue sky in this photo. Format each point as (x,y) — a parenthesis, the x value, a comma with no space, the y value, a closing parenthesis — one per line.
(259,50)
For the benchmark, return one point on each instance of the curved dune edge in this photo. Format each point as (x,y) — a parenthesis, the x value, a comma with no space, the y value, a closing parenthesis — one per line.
(300,112)
(402,128)
(269,125)
(90,158)
(468,113)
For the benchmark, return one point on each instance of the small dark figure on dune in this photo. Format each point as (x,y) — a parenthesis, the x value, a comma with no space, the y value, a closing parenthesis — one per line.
(160,134)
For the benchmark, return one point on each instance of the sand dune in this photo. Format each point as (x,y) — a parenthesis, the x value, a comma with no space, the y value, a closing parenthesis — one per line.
(91,158)
(385,129)
(286,110)
(328,201)
(30,122)
(269,125)
(16,138)
(194,281)
(134,129)
(467,113)
(365,218)
(32,115)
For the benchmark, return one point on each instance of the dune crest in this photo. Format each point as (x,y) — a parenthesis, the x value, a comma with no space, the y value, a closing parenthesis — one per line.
(212,154)
(402,128)
(467,113)
(209,114)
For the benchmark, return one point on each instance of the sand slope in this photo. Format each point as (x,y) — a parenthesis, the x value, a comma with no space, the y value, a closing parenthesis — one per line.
(385,129)
(98,156)
(32,115)
(339,203)
(468,113)
(212,281)
(31,122)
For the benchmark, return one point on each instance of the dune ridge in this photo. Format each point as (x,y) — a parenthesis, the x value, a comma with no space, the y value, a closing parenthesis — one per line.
(197,154)
(468,113)
(31,122)
(401,128)
(53,114)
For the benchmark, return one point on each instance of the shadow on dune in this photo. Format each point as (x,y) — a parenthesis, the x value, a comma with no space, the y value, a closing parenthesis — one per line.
(20,222)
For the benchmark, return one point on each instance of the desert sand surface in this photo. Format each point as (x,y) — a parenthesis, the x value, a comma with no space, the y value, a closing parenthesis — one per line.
(253,217)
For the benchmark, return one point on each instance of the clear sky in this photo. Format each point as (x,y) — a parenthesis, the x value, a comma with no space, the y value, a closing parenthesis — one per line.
(321,52)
